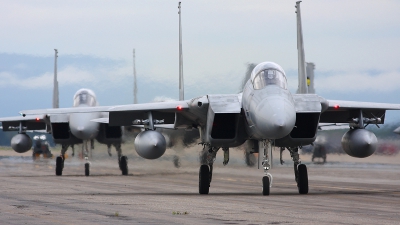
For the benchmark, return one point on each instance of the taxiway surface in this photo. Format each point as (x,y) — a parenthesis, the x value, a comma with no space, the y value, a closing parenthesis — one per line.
(155,192)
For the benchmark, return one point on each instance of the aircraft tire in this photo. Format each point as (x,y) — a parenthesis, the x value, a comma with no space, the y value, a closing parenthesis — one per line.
(123,165)
(266,184)
(302,183)
(87,169)
(204,179)
(59,165)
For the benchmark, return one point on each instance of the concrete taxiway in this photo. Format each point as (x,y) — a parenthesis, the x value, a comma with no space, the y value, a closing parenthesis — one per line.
(157,193)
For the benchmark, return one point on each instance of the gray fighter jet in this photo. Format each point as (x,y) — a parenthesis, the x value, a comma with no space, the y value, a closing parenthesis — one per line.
(266,114)
(69,129)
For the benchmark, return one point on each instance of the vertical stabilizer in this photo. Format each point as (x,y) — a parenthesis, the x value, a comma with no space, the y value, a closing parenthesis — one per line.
(55,84)
(134,80)
(302,89)
(181,88)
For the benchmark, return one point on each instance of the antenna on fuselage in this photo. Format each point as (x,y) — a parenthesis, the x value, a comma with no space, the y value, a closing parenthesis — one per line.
(134,80)
(302,89)
(55,84)
(181,88)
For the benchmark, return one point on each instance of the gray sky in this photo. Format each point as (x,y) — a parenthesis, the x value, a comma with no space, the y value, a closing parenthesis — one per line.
(354,44)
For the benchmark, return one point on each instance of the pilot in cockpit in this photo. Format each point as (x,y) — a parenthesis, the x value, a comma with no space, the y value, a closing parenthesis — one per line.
(269,77)
(84,98)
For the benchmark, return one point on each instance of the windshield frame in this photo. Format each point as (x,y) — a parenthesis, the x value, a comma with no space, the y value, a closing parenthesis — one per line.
(268,77)
(89,100)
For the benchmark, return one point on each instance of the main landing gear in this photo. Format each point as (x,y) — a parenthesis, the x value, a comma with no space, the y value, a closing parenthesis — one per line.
(300,170)
(60,160)
(122,160)
(207,159)
(59,165)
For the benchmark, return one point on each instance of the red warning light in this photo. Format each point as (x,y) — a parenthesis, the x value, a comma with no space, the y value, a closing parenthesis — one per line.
(336,106)
(37,119)
(179,107)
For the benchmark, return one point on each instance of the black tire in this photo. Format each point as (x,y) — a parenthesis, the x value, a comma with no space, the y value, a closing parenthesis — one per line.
(302,183)
(204,179)
(59,165)
(266,184)
(123,165)
(87,169)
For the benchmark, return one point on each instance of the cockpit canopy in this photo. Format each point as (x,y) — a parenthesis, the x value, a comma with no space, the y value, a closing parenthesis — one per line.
(85,97)
(268,73)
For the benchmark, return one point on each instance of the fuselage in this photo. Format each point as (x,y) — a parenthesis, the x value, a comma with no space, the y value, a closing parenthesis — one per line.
(80,124)
(267,104)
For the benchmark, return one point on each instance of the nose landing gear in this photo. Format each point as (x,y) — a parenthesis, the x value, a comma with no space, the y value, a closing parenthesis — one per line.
(267,179)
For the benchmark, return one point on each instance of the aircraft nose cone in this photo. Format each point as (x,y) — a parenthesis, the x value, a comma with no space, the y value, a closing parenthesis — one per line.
(280,123)
(81,126)
(275,118)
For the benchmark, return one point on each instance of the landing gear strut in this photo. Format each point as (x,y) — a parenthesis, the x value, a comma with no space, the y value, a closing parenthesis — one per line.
(207,160)
(266,163)
(60,160)
(85,150)
(300,171)
(122,160)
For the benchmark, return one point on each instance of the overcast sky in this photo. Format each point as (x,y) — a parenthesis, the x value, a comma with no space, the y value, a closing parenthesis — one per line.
(354,44)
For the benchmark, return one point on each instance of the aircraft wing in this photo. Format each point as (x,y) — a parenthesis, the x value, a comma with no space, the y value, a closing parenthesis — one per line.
(343,111)
(31,122)
(157,106)
(123,115)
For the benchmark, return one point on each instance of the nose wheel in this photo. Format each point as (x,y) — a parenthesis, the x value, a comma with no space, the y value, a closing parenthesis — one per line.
(266,185)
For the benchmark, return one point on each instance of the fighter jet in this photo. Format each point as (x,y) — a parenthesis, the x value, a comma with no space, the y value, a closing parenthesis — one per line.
(266,114)
(69,129)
